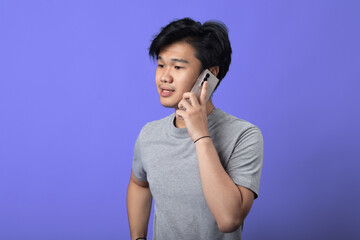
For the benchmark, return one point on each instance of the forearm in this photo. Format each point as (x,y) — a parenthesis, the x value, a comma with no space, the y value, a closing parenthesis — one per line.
(222,195)
(138,207)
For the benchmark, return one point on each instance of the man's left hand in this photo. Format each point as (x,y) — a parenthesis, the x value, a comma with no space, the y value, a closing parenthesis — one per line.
(194,113)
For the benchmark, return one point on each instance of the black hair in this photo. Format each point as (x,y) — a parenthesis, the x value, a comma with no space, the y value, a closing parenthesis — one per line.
(210,41)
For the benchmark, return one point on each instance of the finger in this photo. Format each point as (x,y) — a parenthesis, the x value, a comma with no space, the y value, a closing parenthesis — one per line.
(191,98)
(186,104)
(203,93)
(183,104)
(180,105)
(179,114)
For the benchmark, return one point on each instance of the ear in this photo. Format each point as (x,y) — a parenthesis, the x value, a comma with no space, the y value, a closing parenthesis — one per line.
(214,70)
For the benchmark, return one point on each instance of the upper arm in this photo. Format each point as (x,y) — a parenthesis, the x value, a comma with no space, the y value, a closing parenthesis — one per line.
(134,180)
(245,163)
(138,172)
(247,199)
(245,168)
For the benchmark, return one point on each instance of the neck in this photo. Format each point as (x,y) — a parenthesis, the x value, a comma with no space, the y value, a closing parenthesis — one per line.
(179,123)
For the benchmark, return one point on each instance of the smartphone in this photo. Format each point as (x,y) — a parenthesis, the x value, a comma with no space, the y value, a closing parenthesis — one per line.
(206,75)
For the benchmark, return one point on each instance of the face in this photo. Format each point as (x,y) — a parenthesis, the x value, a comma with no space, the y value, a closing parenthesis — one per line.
(176,72)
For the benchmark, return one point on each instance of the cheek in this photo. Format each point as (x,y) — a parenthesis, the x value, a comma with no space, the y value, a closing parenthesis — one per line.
(156,75)
(157,78)
(158,72)
(190,81)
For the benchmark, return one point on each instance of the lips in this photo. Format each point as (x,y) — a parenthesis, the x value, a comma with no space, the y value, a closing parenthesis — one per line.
(166,91)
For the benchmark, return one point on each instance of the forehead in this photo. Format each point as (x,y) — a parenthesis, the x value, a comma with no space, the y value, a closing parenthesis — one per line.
(177,50)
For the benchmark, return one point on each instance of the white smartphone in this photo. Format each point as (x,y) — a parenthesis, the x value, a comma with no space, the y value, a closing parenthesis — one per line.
(206,75)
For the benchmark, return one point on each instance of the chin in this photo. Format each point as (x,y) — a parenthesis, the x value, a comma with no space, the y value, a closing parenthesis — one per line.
(168,104)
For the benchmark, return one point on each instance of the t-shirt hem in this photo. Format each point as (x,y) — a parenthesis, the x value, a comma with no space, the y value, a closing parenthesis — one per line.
(139,178)
(242,182)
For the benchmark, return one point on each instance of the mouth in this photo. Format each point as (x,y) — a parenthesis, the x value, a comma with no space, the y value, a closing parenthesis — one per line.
(166,92)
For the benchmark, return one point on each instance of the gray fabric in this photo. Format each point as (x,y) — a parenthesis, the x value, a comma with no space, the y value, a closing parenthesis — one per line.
(165,156)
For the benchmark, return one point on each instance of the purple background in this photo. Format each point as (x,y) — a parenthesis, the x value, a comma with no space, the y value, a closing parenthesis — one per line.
(77,85)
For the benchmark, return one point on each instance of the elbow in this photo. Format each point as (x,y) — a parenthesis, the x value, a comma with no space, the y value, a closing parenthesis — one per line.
(228,225)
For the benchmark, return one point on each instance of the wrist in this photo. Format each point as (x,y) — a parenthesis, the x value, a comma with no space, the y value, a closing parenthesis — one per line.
(202,138)
(199,134)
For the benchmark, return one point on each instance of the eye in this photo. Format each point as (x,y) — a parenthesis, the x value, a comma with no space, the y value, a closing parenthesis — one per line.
(160,65)
(178,67)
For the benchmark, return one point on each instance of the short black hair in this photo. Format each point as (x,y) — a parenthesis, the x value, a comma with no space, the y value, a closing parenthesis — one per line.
(210,41)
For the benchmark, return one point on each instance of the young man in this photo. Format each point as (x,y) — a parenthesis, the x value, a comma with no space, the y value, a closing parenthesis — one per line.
(201,165)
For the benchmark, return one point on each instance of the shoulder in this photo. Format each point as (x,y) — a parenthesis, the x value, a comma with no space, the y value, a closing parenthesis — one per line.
(156,126)
(231,125)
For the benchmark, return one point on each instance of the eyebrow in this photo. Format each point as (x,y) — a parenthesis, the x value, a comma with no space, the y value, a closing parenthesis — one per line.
(175,60)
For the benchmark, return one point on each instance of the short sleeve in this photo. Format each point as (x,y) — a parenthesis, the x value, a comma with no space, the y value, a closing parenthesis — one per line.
(137,164)
(245,163)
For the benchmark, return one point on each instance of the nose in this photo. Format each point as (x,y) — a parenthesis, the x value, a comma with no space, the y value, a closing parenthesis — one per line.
(166,77)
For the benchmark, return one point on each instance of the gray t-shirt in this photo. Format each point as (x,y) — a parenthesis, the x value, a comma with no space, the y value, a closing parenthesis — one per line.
(165,156)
